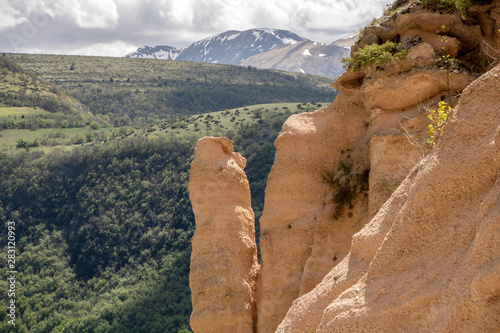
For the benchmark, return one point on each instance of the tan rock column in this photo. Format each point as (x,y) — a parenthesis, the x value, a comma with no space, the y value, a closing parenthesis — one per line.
(300,239)
(224,258)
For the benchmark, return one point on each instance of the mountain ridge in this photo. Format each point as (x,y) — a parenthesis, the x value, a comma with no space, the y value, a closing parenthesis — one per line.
(253,47)
(233,47)
(306,57)
(165,52)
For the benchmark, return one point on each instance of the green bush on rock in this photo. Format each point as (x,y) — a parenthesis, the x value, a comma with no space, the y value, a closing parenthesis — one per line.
(374,54)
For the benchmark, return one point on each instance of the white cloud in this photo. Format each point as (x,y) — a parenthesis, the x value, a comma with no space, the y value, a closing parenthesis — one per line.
(82,24)
(318,19)
(114,49)
(96,13)
(86,13)
(179,14)
(9,16)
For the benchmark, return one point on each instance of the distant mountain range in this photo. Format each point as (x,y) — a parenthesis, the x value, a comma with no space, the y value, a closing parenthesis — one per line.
(261,48)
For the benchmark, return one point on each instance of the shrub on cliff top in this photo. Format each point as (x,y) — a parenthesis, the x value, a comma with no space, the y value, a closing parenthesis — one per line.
(452,5)
(374,53)
(447,5)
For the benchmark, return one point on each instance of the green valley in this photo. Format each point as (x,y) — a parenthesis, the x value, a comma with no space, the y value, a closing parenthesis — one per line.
(99,194)
(132,91)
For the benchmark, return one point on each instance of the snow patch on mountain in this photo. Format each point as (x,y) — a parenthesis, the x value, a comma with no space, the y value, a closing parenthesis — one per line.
(347,41)
(156,52)
(289,41)
(233,36)
(262,48)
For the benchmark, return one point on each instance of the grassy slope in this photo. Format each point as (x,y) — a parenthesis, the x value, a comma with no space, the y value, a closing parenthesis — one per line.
(141,72)
(218,122)
(12,111)
(19,88)
(14,80)
(145,91)
(213,123)
(10,138)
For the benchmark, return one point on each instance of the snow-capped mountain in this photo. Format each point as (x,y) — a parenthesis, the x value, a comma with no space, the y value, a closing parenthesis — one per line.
(347,41)
(233,47)
(156,52)
(230,47)
(303,57)
(261,48)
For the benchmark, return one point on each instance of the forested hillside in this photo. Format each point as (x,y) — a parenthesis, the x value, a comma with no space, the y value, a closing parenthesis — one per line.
(103,234)
(102,213)
(103,230)
(143,91)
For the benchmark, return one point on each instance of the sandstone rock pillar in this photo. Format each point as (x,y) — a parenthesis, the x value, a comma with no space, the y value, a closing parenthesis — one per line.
(300,239)
(224,258)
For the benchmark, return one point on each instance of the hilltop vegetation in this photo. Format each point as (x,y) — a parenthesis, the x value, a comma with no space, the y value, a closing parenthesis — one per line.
(28,132)
(143,91)
(29,103)
(20,88)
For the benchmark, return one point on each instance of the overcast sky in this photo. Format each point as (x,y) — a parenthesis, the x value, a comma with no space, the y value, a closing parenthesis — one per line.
(117,27)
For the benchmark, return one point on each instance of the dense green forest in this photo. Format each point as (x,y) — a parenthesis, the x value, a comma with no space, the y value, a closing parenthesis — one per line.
(103,231)
(143,91)
(103,218)
(103,235)
(125,107)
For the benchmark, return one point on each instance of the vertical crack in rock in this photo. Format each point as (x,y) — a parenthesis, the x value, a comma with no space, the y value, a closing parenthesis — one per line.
(224,258)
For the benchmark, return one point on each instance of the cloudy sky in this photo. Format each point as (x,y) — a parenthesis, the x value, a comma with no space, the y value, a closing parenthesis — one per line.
(117,27)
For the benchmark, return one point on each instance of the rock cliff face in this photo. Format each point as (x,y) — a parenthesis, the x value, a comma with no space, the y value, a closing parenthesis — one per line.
(429,261)
(300,239)
(363,230)
(224,261)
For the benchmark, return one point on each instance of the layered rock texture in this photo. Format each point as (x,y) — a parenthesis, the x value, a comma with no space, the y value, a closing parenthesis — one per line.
(366,229)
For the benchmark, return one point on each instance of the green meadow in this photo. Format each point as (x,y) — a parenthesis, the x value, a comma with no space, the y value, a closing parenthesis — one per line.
(6,112)
(223,123)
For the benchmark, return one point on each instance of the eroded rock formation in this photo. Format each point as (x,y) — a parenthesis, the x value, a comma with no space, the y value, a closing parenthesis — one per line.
(429,261)
(377,126)
(297,226)
(338,242)
(224,261)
